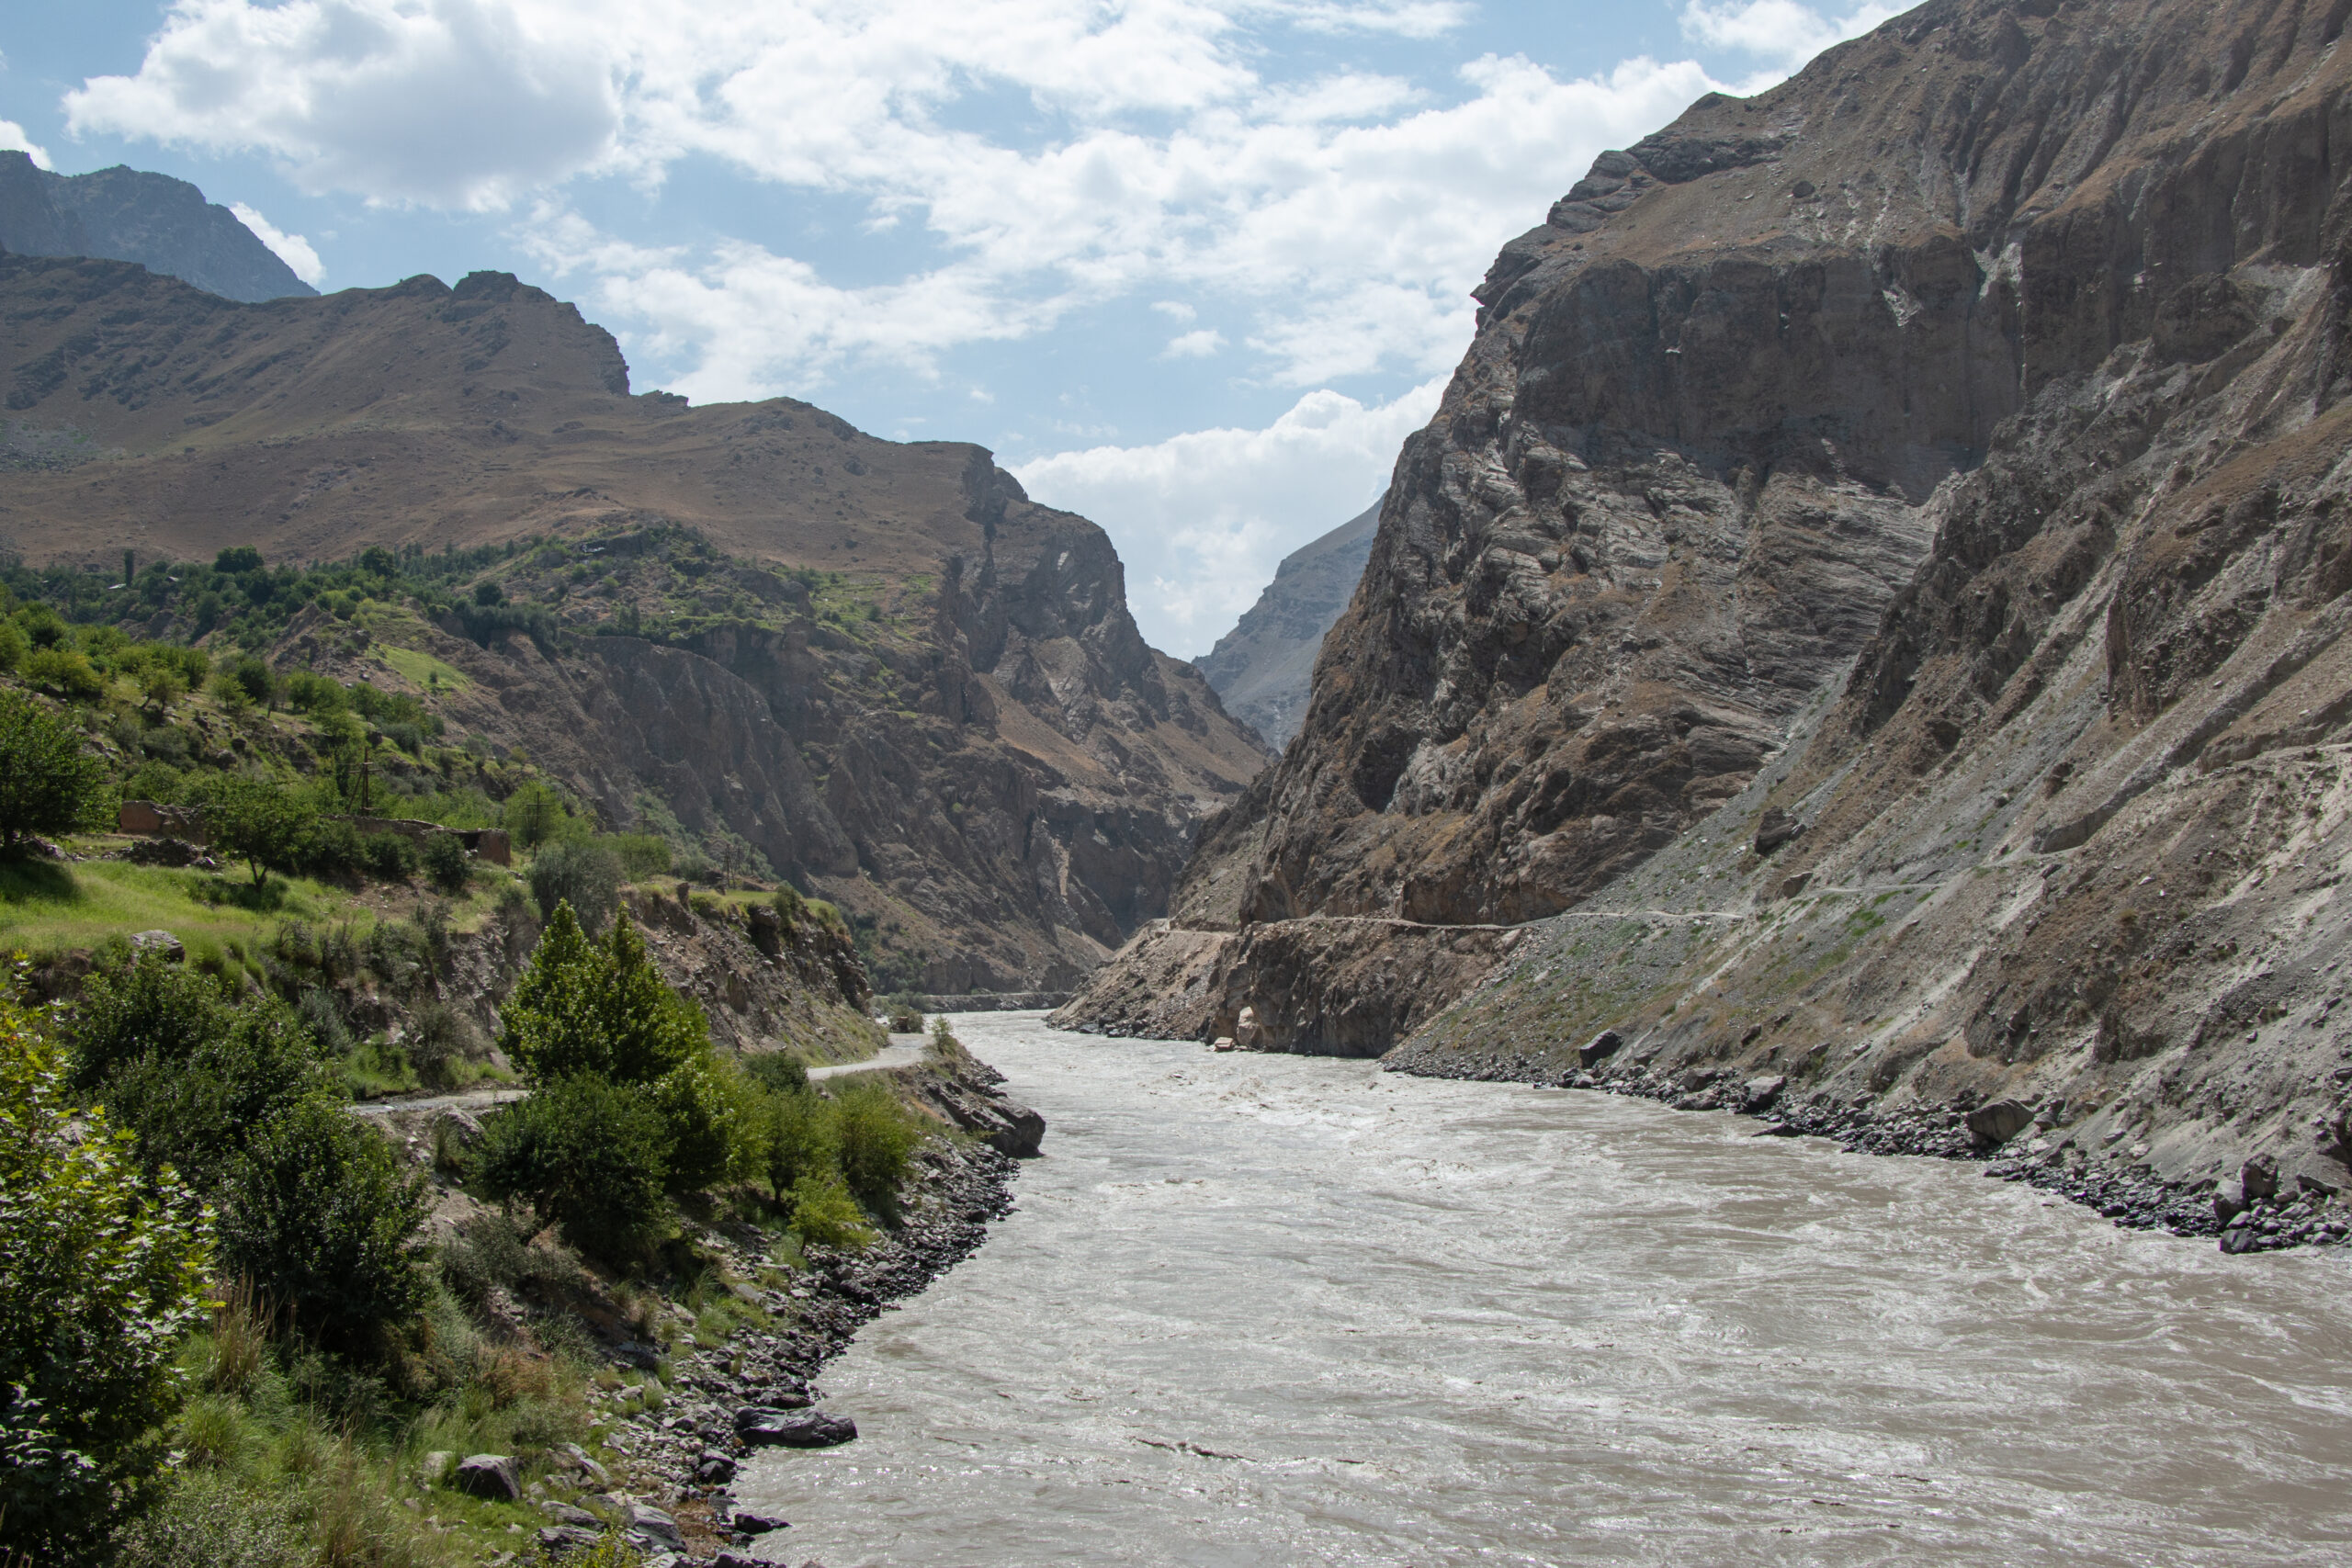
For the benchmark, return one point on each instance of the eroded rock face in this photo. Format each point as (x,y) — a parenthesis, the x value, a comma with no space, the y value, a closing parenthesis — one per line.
(1263,668)
(2047,304)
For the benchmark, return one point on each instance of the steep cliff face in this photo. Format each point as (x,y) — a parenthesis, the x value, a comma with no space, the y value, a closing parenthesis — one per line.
(124,214)
(879,665)
(2025,328)
(1263,668)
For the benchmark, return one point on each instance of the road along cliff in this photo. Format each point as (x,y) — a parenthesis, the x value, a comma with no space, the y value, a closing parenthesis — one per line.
(1874,597)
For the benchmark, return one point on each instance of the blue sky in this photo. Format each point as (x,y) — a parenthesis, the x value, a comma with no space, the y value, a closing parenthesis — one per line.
(1191,267)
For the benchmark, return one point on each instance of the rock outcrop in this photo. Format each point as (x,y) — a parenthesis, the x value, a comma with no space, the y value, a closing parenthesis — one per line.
(1946,451)
(1263,668)
(125,214)
(879,666)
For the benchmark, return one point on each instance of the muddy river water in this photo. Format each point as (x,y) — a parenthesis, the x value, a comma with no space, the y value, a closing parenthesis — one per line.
(1290,1310)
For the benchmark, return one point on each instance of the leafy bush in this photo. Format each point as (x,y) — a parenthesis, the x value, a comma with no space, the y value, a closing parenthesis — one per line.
(602,1008)
(311,693)
(535,815)
(777,1073)
(585,876)
(447,865)
(253,675)
(439,1037)
(48,784)
(824,1213)
(259,822)
(589,1156)
(905,1016)
(195,1111)
(319,1215)
(388,857)
(66,671)
(795,1140)
(149,1004)
(101,1273)
(876,1136)
(712,1125)
(641,854)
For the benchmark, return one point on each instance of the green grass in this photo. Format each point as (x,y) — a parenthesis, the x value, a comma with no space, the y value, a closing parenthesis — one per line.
(418,667)
(46,907)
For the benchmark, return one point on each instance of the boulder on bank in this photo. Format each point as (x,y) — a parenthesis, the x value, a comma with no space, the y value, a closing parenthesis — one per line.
(1599,1048)
(490,1476)
(1999,1121)
(764,1427)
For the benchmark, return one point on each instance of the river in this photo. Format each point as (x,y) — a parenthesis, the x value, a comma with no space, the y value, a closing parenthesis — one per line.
(1286,1310)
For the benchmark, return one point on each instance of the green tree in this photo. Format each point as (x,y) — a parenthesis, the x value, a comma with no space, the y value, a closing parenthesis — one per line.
(795,1140)
(714,1127)
(149,1006)
(101,1273)
(48,784)
(258,821)
(196,1111)
(877,1137)
(591,1155)
(585,876)
(601,1009)
(318,1214)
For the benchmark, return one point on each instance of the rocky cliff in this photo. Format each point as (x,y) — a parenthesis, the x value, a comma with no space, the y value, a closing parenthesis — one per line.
(1876,584)
(124,214)
(1262,667)
(879,666)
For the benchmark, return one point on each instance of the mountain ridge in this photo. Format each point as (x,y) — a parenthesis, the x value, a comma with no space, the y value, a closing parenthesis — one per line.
(126,214)
(1263,667)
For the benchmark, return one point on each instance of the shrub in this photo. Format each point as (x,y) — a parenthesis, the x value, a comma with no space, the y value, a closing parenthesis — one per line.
(101,1273)
(601,1009)
(331,848)
(319,1215)
(824,1214)
(314,694)
(713,1128)
(439,1038)
(790,906)
(641,854)
(535,815)
(905,1016)
(208,1520)
(48,784)
(67,673)
(877,1135)
(12,647)
(388,857)
(253,675)
(447,865)
(196,1111)
(589,1156)
(149,1004)
(777,1073)
(586,876)
(795,1140)
(258,821)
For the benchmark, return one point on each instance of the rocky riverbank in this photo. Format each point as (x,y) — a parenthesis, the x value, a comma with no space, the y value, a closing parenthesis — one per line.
(2254,1211)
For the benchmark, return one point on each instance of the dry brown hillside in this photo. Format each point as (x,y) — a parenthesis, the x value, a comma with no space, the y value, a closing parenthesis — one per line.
(959,733)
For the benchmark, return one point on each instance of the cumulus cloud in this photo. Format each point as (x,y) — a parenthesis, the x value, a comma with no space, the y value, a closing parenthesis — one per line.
(13,140)
(292,249)
(1201,344)
(1784,31)
(1201,518)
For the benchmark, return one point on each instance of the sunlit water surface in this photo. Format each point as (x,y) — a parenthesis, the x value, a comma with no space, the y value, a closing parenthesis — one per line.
(1291,1310)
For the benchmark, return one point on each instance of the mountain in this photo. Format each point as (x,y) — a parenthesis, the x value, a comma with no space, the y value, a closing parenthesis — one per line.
(1868,619)
(879,666)
(1263,667)
(122,214)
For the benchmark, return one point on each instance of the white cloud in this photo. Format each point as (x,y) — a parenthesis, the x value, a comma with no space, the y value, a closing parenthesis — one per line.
(1201,343)
(292,249)
(1201,518)
(13,140)
(1781,30)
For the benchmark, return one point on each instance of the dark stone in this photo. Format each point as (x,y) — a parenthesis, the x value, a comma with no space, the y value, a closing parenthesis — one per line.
(563,1541)
(2259,1175)
(2229,1199)
(652,1529)
(763,1427)
(1599,1048)
(565,1514)
(1999,1121)
(737,1560)
(1758,1093)
(752,1523)
(492,1476)
(715,1469)
(1774,829)
(2240,1239)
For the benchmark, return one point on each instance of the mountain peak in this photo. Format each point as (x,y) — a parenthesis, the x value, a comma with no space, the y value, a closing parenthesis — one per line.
(126,214)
